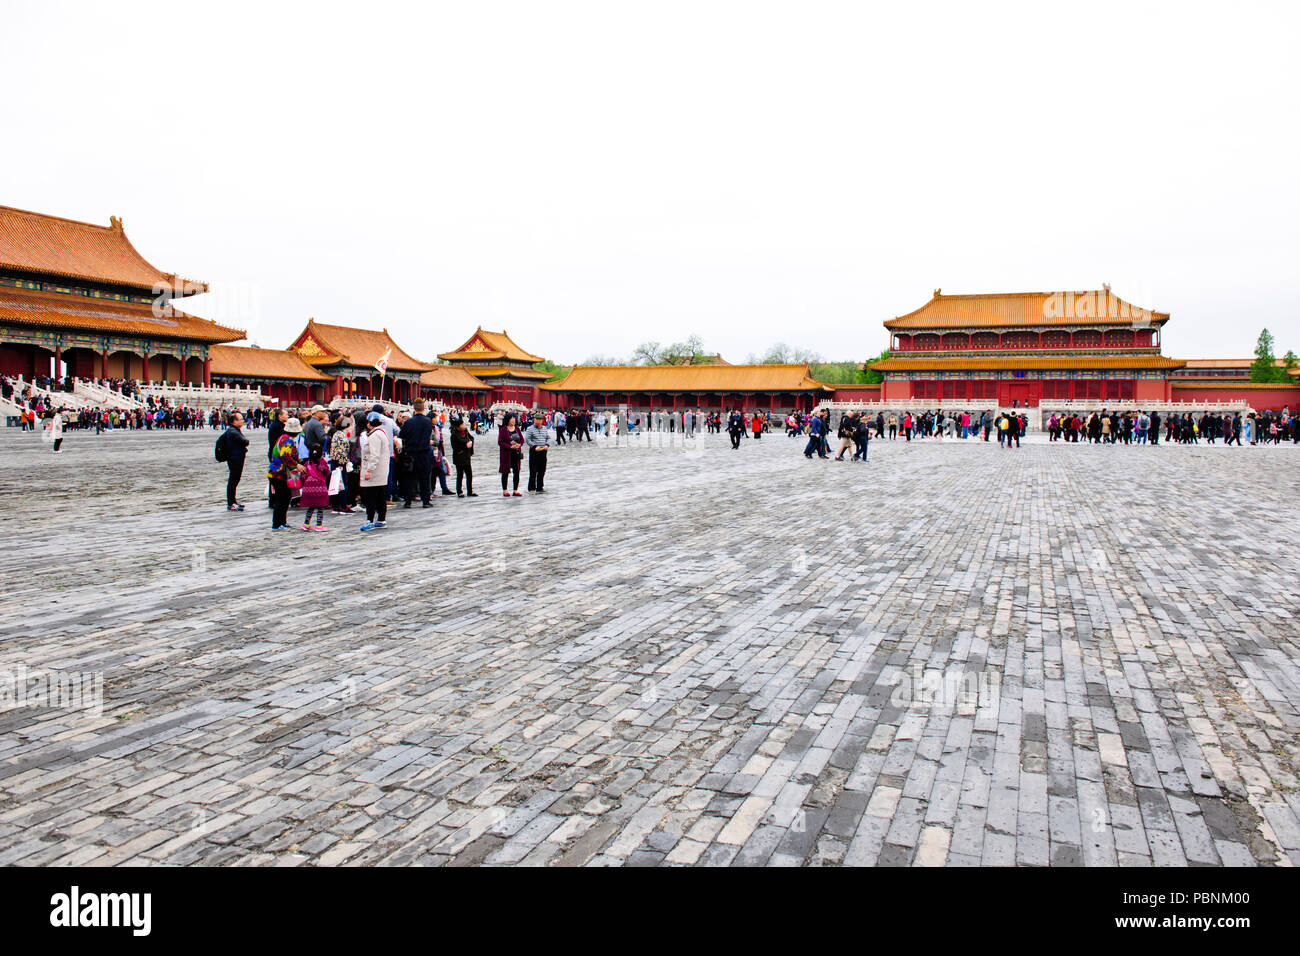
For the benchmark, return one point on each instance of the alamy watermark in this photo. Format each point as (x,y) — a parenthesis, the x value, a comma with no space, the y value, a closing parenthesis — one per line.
(963,691)
(61,690)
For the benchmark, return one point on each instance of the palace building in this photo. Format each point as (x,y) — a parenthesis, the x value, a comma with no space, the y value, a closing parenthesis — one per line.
(494,359)
(1027,348)
(453,385)
(776,388)
(78,299)
(279,373)
(348,356)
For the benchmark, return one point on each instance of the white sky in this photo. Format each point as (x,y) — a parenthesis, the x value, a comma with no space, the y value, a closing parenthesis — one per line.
(592,175)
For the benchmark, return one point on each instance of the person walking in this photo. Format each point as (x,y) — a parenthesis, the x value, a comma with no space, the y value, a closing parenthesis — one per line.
(845,434)
(537,438)
(376,464)
(462,449)
(54,422)
(736,428)
(510,440)
(232,448)
(861,437)
(815,444)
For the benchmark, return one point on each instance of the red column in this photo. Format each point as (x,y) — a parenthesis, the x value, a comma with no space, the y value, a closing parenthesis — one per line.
(103,364)
(58,358)
(207,373)
(145,377)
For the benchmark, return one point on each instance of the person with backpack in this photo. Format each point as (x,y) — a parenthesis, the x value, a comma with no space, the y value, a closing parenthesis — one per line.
(232,448)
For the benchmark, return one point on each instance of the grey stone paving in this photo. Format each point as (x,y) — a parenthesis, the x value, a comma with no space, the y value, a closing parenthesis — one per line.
(954,655)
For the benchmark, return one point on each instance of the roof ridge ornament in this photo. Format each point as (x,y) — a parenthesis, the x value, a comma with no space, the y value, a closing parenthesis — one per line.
(115,223)
(936,293)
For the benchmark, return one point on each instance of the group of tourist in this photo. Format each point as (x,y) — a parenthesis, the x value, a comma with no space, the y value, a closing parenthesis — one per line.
(335,459)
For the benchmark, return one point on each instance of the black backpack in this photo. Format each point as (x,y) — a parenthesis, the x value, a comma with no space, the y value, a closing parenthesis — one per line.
(220,450)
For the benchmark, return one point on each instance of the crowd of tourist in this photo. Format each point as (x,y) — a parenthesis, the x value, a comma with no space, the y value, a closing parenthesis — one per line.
(1140,427)
(343,460)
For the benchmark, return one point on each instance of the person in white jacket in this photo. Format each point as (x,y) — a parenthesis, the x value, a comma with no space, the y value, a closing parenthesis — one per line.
(56,431)
(376,458)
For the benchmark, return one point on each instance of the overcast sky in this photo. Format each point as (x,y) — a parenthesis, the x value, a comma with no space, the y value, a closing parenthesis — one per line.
(592,175)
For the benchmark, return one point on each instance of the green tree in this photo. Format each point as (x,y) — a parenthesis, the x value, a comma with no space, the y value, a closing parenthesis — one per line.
(871,377)
(1265,367)
(556,372)
(1289,362)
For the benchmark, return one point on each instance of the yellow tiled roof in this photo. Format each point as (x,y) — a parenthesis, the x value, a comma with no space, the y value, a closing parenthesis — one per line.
(491,345)
(1026,362)
(1017,309)
(493,371)
(450,376)
(361,347)
(35,242)
(262,363)
(57,310)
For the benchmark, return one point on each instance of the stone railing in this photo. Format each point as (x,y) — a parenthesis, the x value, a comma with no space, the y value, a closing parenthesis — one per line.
(391,407)
(55,397)
(103,396)
(195,396)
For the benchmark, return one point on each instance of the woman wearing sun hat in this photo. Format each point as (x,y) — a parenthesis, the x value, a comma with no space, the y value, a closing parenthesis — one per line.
(285,467)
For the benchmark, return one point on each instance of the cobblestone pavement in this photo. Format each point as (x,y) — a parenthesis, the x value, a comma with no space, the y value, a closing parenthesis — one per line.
(952,655)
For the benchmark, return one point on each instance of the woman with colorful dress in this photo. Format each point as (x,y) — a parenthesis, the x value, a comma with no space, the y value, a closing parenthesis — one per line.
(285,468)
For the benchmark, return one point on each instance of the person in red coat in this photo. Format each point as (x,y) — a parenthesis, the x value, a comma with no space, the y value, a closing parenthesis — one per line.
(315,488)
(511,442)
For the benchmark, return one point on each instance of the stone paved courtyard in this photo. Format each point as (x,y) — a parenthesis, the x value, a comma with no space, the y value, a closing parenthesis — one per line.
(951,655)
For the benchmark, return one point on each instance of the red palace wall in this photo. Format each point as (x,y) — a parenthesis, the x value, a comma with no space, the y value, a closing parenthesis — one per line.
(1261,399)
(869,394)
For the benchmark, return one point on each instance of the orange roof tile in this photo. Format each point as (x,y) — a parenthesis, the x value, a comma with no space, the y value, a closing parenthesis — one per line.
(492,346)
(687,378)
(253,362)
(450,376)
(36,243)
(1026,362)
(1019,309)
(360,347)
(492,371)
(62,311)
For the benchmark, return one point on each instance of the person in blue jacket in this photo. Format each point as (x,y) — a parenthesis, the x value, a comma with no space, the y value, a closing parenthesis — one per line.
(815,427)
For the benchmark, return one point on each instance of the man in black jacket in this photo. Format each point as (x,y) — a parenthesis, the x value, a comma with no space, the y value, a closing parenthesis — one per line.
(735,427)
(415,434)
(235,447)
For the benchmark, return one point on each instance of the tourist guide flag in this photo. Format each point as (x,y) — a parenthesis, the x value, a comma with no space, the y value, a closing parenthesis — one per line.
(382,364)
